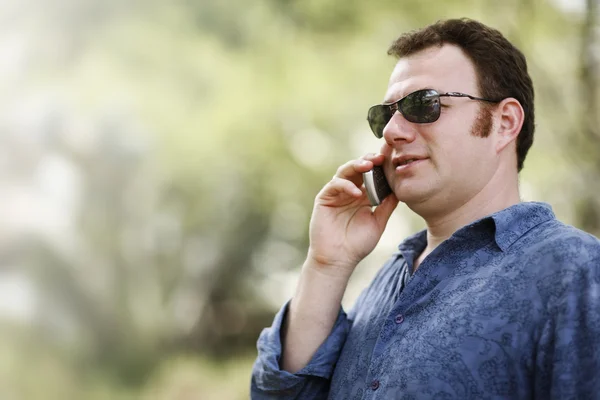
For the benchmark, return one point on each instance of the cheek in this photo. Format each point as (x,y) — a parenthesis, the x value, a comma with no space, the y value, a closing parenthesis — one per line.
(457,154)
(447,153)
(461,157)
(476,161)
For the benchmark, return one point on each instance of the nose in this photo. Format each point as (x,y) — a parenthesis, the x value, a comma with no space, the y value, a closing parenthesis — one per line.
(399,130)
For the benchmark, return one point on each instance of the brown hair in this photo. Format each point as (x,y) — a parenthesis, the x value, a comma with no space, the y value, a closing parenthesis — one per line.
(501,68)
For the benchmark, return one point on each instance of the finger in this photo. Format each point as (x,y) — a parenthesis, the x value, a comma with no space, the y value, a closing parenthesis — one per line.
(386,149)
(353,170)
(375,158)
(383,212)
(339,186)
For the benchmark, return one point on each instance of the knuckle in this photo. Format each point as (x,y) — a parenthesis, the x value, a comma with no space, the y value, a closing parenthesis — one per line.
(335,184)
(344,167)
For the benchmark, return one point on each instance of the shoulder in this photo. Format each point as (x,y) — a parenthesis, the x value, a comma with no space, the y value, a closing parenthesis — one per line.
(562,259)
(559,243)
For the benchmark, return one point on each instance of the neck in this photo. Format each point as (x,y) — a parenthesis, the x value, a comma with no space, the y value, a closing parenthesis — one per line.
(441,224)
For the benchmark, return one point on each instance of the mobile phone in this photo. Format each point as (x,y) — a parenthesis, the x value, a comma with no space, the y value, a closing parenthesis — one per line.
(377,186)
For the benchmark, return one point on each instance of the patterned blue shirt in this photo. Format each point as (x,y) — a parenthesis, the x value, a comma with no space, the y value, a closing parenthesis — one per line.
(507,308)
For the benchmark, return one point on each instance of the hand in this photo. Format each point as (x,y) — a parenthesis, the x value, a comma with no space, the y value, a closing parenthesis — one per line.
(343,227)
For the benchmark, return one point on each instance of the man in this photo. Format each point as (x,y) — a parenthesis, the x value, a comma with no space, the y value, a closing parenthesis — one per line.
(495,299)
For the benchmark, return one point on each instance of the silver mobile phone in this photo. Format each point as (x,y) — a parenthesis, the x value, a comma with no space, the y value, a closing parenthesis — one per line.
(376,184)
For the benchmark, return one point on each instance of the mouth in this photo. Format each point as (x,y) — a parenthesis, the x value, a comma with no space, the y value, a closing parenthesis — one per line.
(406,162)
(403,163)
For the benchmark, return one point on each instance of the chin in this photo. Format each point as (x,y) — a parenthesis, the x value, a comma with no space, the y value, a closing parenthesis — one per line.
(410,197)
(415,197)
(411,191)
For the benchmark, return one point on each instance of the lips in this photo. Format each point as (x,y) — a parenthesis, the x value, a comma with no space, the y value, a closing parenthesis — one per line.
(406,159)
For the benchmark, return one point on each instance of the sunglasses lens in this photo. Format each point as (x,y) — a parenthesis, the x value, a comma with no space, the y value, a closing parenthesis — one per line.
(378,118)
(421,107)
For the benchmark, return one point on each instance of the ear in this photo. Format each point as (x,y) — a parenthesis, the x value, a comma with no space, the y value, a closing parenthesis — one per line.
(510,115)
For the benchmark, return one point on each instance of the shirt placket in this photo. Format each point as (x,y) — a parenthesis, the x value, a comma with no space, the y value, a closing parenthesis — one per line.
(397,321)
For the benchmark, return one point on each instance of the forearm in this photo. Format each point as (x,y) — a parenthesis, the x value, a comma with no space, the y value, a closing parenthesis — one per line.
(312,314)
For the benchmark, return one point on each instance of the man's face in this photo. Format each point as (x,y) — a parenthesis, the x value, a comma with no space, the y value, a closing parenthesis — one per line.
(455,161)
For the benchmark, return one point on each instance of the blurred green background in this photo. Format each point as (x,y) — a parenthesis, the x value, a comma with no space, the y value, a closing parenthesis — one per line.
(159,161)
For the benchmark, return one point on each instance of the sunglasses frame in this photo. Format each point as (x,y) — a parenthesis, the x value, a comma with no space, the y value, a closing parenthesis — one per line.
(396,106)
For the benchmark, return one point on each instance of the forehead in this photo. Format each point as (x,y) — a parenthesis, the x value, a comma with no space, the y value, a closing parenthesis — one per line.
(446,69)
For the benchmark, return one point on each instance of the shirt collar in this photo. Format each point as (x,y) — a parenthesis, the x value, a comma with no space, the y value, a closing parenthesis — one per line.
(416,242)
(510,224)
(513,222)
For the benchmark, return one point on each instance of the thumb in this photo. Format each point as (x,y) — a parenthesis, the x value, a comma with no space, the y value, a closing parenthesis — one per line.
(383,212)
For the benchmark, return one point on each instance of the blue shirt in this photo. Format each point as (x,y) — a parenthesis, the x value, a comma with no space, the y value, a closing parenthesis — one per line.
(507,308)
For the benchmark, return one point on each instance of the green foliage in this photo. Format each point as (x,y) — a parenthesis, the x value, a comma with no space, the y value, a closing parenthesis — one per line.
(200,132)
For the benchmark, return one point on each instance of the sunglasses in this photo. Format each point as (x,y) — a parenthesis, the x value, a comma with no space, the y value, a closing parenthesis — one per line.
(420,107)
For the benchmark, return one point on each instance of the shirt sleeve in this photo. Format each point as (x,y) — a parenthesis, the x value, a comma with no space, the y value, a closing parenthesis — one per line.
(312,381)
(568,361)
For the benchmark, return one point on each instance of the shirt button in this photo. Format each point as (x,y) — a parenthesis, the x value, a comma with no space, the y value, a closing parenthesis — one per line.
(375,385)
(399,318)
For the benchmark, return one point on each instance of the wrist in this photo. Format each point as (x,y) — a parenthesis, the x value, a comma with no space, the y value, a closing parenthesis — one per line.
(327,268)
(319,293)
